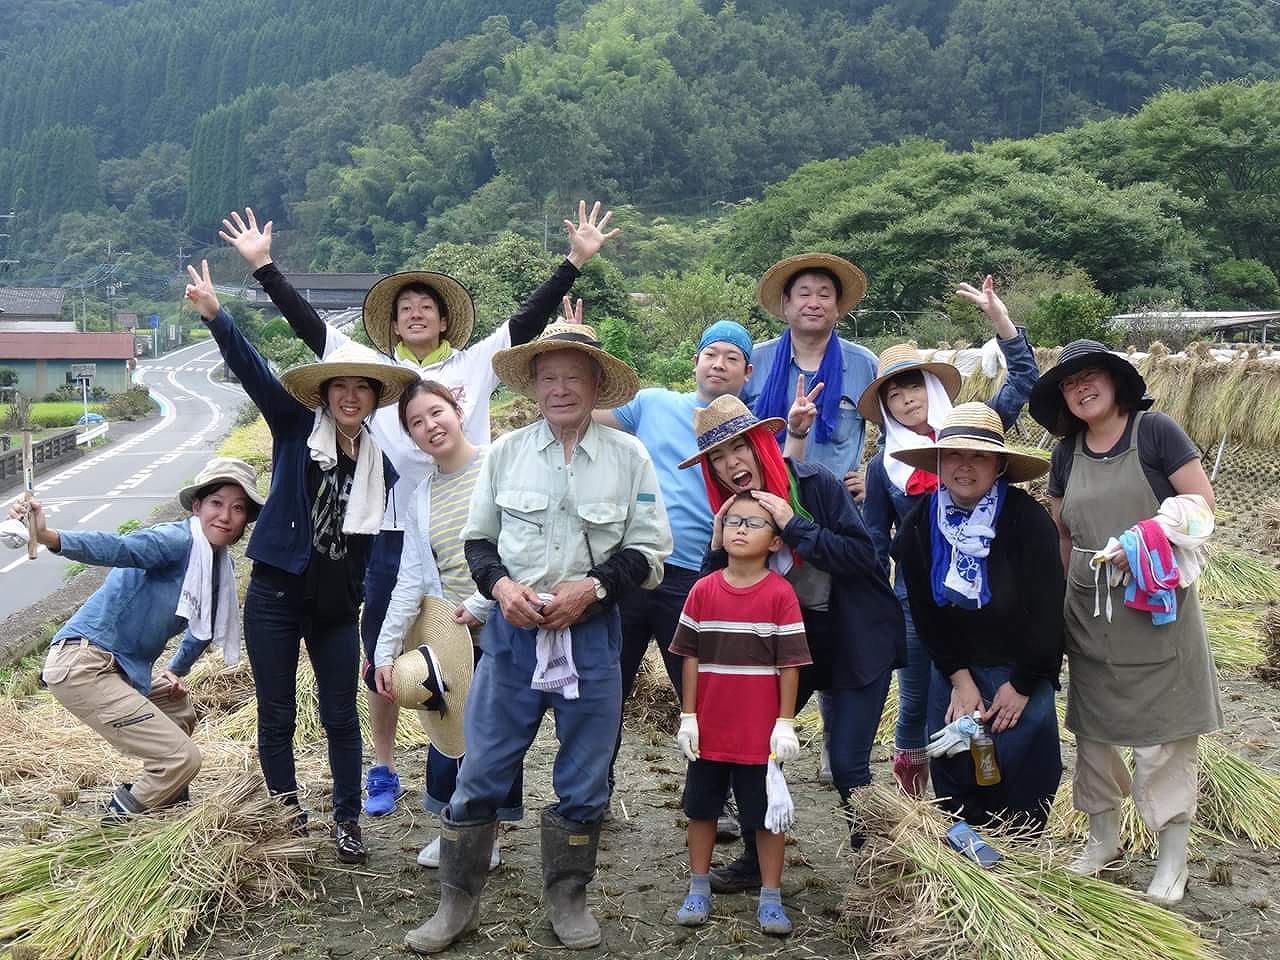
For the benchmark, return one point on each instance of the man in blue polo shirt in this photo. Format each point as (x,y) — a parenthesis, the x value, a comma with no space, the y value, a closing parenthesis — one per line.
(663,421)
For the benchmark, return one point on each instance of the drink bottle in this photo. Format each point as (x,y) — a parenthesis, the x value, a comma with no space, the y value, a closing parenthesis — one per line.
(985,769)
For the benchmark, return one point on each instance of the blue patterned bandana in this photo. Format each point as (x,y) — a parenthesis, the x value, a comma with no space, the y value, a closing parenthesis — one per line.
(960,541)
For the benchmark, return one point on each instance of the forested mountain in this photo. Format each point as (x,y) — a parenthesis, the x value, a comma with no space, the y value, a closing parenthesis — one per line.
(372,132)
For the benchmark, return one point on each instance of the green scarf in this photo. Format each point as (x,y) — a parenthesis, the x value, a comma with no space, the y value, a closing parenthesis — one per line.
(438,355)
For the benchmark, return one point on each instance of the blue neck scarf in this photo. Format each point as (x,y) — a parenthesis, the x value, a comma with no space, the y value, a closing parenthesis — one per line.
(777,395)
(960,541)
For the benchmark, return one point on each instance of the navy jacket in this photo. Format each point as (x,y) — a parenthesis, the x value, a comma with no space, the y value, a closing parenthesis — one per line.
(863,610)
(282,535)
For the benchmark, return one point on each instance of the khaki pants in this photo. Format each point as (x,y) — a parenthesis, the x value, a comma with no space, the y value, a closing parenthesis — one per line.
(155,729)
(1164,784)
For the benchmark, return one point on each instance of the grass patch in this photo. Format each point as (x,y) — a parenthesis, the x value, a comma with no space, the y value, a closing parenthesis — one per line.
(64,413)
(73,569)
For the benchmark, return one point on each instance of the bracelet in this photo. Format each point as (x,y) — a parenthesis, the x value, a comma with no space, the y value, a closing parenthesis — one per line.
(798,436)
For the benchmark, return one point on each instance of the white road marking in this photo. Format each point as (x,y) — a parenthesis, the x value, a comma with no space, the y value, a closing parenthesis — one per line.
(20,561)
(91,514)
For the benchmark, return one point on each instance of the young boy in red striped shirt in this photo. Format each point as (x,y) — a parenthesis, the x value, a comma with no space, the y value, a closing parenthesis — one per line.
(742,637)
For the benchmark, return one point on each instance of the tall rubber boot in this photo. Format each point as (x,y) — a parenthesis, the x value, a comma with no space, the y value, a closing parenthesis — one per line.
(464,867)
(1103,845)
(568,864)
(1170,881)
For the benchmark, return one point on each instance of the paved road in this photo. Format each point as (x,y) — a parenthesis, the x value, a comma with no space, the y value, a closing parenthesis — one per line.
(142,467)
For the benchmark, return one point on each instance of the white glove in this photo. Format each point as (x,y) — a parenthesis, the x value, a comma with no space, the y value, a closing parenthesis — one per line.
(13,533)
(953,738)
(687,737)
(781,812)
(783,743)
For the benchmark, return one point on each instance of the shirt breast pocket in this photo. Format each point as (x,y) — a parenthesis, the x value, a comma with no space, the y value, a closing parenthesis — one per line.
(524,510)
(846,422)
(603,524)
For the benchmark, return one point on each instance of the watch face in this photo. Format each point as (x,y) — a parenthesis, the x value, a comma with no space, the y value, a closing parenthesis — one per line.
(600,591)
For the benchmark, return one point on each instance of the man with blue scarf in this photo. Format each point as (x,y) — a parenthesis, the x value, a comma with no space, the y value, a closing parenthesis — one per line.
(663,421)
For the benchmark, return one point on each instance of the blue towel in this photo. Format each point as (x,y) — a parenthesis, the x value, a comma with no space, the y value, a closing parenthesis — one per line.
(777,395)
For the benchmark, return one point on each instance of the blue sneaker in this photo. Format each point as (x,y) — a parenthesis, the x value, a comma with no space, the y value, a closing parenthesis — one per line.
(773,919)
(382,790)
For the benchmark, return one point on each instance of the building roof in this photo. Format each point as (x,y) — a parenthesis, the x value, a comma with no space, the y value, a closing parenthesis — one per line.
(32,301)
(334,281)
(66,346)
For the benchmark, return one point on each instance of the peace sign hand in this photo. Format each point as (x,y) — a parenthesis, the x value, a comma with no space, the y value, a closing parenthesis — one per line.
(588,236)
(989,303)
(803,411)
(201,293)
(250,242)
(571,313)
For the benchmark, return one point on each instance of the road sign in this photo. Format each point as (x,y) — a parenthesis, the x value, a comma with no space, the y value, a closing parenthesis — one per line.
(173,332)
(84,371)
(155,321)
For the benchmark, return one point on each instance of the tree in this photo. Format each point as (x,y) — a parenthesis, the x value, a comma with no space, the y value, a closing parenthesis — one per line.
(1245,283)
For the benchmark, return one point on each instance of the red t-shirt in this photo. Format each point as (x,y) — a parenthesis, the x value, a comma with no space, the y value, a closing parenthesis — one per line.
(742,637)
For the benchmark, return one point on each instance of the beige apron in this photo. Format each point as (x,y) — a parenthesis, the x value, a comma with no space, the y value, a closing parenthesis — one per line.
(1131,683)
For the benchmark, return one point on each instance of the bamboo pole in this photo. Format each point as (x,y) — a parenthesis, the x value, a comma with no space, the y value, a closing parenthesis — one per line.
(28,483)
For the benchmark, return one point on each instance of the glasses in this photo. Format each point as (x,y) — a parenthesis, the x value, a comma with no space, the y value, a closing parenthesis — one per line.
(752,523)
(1088,375)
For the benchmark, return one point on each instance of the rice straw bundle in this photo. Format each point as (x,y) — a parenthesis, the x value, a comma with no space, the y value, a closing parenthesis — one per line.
(913,896)
(1233,577)
(1269,626)
(1233,637)
(47,746)
(139,890)
(1269,523)
(889,715)
(217,689)
(652,704)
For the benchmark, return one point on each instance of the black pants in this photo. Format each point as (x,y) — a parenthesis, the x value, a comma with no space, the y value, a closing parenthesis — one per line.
(652,614)
(276,619)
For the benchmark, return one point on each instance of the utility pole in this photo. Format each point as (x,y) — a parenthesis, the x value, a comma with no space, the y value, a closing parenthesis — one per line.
(6,263)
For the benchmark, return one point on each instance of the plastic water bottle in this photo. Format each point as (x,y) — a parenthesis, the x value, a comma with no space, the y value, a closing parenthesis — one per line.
(985,769)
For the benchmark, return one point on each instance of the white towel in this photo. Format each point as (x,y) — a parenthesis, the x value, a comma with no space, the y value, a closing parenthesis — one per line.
(367,502)
(555,669)
(898,437)
(194,602)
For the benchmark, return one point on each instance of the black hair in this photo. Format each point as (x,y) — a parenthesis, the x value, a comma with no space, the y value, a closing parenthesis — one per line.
(426,386)
(417,286)
(746,495)
(820,271)
(908,378)
(1128,392)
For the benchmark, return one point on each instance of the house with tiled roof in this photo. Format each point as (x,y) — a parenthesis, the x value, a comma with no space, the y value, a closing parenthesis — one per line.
(33,310)
(46,361)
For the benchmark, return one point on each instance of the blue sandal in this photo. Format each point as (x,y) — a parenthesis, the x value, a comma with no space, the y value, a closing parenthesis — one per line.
(695,911)
(773,919)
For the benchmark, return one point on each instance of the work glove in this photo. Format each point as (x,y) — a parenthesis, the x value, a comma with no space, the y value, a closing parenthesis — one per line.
(780,813)
(687,736)
(953,738)
(783,743)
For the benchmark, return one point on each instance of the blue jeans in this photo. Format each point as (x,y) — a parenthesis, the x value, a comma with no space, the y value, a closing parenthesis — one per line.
(379,581)
(1028,754)
(503,715)
(855,716)
(276,618)
(913,691)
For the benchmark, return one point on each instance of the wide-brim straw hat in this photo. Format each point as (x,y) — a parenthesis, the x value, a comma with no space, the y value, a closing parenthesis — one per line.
(1047,405)
(897,360)
(433,675)
(853,282)
(222,470)
(349,360)
(514,366)
(976,427)
(380,305)
(720,421)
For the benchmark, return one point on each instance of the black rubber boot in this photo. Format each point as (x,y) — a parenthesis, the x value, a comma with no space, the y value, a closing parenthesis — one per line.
(568,864)
(464,867)
(742,874)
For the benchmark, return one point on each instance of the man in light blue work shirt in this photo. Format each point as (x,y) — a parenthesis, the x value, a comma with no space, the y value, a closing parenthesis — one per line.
(811,292)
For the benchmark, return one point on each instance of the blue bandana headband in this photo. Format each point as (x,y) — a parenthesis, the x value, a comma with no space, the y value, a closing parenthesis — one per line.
(727,331)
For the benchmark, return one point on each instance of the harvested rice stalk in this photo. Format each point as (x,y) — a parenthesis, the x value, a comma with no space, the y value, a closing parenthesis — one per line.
(1233,637)
(1269,523)
(912,895)
(1269,626)
(1072,826)
(1233,577)
(652,703)
(889,715)
(139,891)
(217,689)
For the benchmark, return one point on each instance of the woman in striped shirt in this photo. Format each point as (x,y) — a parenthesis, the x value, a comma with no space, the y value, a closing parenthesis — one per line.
(432,563)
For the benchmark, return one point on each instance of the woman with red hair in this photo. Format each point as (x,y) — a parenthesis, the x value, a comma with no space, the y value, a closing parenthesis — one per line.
(852,620)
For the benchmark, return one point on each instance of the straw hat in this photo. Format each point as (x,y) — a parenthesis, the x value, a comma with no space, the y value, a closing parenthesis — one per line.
(514,366)
(222,470)
(975,426)
(853,282)
(1047,405)
(720,421)
(349,360)
(380,305)
(899,359)
(433,675)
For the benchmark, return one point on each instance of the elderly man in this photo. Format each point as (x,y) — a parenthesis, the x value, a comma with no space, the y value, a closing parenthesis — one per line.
(566,519)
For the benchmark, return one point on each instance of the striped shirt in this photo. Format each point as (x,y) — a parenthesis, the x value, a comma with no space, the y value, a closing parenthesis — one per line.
(742,637)
(450,500)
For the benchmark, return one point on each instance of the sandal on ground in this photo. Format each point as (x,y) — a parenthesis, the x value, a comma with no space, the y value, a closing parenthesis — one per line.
(773,919)
(695,910)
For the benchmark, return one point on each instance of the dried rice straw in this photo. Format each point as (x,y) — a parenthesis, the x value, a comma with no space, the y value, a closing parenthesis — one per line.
(1233,637)
(1233,577)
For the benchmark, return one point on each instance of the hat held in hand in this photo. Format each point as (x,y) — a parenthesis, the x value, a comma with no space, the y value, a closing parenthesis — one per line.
(433,675)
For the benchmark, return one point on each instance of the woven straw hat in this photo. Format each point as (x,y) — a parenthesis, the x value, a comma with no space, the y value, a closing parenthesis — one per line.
(433,675)
(514,366)
(720,421)
(1047,405)
(975,426)
(222,470)
(896,360)
(380,305)
(853,282)
(349,360)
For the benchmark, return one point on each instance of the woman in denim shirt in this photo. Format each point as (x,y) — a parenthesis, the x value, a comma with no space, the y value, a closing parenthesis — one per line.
(329,487)
(909,399)
(168,579)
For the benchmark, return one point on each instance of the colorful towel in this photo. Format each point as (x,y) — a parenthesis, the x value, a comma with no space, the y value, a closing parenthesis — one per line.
(1155,572)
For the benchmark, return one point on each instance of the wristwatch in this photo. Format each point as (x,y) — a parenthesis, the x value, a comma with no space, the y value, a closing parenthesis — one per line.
(601,592)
